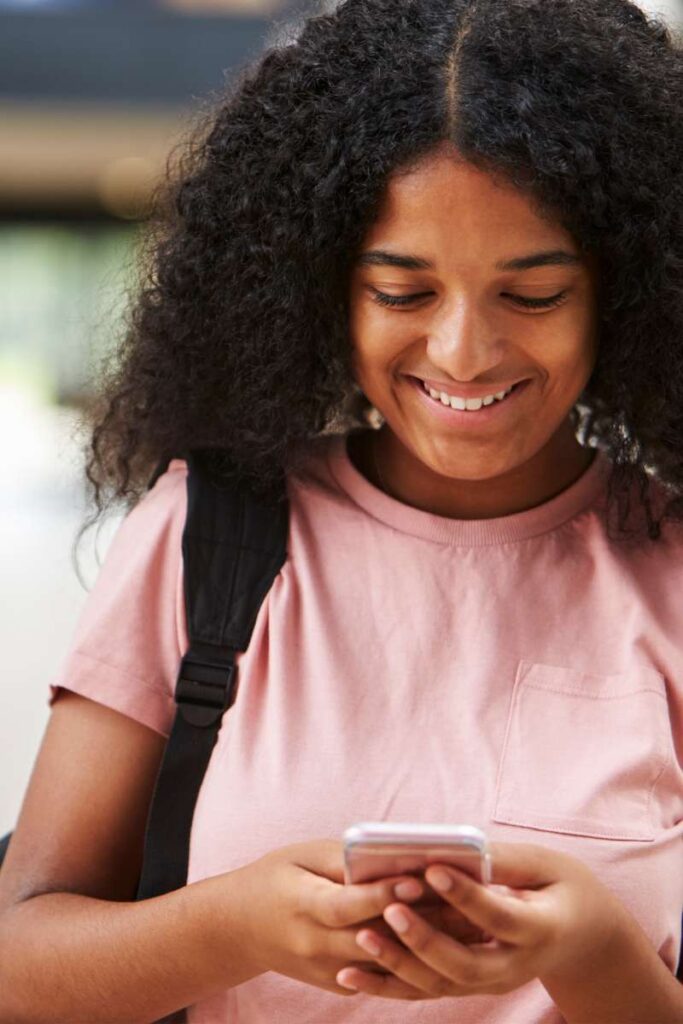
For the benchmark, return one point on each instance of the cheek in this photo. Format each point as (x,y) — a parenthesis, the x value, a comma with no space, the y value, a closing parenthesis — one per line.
(378,346)
(568,354)
(581,358)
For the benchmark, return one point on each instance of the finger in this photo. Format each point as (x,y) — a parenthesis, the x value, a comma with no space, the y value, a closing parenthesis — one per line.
(466,935)
(527,865)
(403,964)
(508,918)
(338,906)
(372,984)
(467,967)
(341,945)
(446,919)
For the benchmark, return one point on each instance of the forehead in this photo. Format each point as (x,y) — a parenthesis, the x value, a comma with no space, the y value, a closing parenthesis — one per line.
(445,207)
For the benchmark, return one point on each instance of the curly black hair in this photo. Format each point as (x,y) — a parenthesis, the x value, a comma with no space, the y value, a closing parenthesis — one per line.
(237,343)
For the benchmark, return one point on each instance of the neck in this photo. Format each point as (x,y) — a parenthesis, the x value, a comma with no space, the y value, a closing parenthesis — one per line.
(407,479)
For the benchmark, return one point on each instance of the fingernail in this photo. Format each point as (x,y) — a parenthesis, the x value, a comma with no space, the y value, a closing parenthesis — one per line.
(345,984)
(368,943)
(440,880)
(408,890)
(397,919)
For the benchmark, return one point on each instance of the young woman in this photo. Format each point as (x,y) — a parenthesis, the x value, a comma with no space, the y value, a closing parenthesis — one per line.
(425,272)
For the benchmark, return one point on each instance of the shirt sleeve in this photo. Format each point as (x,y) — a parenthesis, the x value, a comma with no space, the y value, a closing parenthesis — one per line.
(131,634)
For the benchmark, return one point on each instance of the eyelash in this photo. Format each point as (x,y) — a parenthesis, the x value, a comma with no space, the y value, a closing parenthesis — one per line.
(404,300)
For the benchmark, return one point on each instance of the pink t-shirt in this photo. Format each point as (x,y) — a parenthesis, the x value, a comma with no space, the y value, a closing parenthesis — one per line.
(521,674)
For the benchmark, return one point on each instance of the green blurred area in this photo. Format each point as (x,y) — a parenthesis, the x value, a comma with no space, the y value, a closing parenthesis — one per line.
(63,292)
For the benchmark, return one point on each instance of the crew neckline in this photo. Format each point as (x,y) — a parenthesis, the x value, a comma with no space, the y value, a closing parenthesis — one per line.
(531,522)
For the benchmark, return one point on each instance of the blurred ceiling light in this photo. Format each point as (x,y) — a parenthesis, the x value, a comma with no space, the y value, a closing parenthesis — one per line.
(125,186)
(225,6)
(19,4)
(77,155)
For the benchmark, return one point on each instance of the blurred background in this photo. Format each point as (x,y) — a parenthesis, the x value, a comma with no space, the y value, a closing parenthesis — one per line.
(94,94)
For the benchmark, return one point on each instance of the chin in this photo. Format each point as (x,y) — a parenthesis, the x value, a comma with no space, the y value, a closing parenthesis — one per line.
(469,473)
(476,467)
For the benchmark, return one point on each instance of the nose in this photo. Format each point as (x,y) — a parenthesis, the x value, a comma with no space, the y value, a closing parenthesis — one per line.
(463,342)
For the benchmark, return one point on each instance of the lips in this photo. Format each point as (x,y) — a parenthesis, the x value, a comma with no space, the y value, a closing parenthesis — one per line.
(465,392)
(486,418)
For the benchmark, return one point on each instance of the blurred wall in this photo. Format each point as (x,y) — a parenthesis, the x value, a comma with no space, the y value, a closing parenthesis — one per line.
(672,10)
(93,97)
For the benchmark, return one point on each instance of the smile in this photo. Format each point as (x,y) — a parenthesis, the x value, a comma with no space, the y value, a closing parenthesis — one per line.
(467,404)
(468,413)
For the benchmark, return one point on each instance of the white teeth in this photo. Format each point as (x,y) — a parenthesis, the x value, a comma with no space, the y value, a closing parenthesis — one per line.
(471,404)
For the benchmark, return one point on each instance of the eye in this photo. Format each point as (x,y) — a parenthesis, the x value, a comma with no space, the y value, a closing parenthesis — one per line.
(528,303)
(396,300)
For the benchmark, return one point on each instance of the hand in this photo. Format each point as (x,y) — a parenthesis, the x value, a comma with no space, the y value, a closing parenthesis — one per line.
(296,916)
(556,914)
(440,915)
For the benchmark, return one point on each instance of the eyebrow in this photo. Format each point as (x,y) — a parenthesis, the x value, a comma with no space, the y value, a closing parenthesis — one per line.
(383,258)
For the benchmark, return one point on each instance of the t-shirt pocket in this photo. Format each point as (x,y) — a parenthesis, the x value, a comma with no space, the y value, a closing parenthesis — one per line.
(583,752)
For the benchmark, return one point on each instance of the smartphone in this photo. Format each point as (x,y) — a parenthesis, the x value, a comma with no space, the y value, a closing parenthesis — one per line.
(380,849)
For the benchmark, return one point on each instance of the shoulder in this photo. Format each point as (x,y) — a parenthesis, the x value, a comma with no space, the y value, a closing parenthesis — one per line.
(127,640)
(144,555)
(160,510)
(168,491)
(646,570)
(627,509)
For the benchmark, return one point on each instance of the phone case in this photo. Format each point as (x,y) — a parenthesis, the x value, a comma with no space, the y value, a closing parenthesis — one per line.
(381,849)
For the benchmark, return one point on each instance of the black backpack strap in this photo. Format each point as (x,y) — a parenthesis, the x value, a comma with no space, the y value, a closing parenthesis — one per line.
(233,547)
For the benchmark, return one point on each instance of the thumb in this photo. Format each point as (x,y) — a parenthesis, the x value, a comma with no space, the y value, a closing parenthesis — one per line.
(324,857)
(526,865)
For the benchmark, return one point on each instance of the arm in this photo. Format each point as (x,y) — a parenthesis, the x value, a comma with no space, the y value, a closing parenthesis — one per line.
(75,945)
(627,984)
(66,957)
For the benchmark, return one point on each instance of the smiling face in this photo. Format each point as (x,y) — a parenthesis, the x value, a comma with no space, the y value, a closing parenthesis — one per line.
(462,284)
